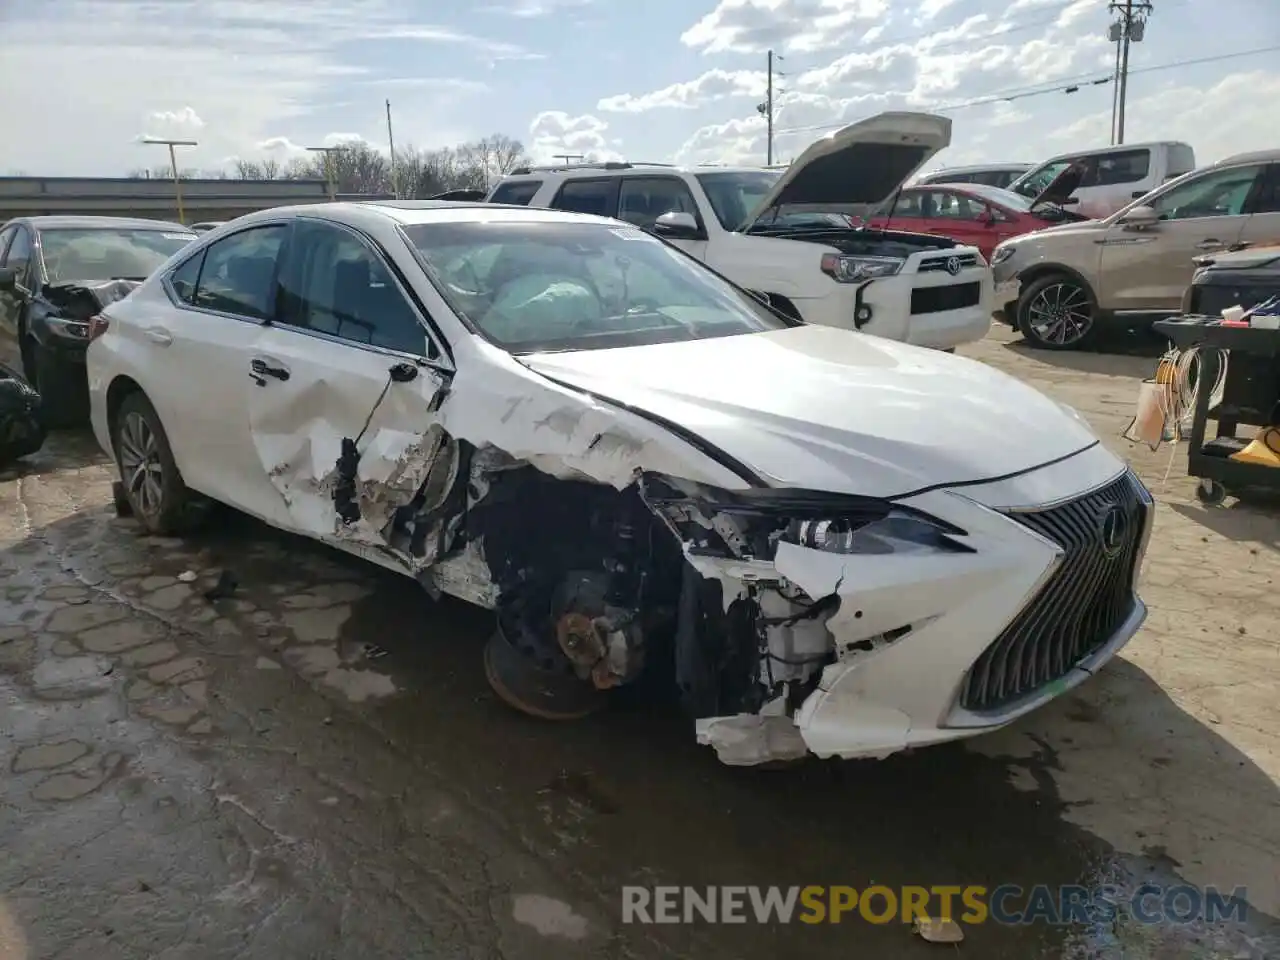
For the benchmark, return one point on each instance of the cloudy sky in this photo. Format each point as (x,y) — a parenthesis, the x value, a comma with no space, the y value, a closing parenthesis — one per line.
(654,80)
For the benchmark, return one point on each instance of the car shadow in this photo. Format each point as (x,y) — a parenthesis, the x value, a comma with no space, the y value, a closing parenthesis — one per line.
(1254,518)
(628,797)
(1134,356)
(62,450)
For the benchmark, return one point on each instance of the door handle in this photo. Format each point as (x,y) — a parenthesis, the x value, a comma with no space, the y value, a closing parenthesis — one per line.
(1209,244)
(259,368)
(159,335)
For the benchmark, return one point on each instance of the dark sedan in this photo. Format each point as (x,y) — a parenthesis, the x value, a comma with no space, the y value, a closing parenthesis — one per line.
(56,273)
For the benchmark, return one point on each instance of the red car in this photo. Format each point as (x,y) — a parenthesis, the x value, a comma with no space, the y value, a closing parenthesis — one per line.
(969,213)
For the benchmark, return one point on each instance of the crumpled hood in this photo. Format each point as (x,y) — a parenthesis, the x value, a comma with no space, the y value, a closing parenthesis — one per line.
(829,409)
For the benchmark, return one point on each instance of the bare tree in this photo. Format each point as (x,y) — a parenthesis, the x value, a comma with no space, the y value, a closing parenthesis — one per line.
(266,169)
(359,168)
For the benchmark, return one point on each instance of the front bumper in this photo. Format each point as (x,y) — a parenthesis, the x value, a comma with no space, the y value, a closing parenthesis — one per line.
(911,308)
(979,639)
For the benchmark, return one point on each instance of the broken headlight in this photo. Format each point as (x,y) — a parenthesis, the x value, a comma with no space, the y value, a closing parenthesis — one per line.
(899,531)
(749,524)
(845,269)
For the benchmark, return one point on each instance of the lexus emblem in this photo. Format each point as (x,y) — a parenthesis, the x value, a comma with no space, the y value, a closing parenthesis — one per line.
(1113,530)
(953,265)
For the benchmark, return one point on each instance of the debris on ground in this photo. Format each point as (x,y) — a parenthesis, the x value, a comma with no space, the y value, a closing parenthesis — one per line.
(187,576)
(225,586)
(939,929)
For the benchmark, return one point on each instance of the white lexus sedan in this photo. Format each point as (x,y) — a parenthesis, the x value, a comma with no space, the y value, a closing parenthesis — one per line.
(836,544)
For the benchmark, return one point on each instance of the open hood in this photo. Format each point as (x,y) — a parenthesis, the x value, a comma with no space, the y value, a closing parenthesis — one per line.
(862,164)
(1061,187)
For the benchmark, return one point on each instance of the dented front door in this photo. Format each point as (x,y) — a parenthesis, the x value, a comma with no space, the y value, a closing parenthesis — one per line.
(341,398)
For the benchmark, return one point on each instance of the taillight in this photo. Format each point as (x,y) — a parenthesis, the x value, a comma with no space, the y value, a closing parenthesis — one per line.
(97,326)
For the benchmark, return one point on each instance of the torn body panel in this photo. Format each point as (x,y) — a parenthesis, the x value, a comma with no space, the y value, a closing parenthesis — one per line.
(797,621)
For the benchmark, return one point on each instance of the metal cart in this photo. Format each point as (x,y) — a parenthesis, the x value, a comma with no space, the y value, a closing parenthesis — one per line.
(1250,396)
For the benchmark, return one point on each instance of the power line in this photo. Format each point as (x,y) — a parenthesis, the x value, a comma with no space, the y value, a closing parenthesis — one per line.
(1061,85)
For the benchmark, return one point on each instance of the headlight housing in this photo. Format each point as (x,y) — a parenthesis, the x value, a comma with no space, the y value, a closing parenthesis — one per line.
(849,269)
(1002,253)
(749,524)
(900,531)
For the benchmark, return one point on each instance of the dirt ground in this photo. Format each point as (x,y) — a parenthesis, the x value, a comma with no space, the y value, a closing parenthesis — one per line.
(313,766)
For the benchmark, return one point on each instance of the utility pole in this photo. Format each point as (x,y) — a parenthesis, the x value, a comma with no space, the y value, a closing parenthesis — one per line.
(391,149)
(173,165)
(1129,27)
(328,169)
(766,110)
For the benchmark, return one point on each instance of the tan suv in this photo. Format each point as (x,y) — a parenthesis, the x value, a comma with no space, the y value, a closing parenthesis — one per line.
(1063,284)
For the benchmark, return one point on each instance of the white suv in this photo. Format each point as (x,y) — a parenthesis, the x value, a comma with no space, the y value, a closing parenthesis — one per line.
(786,234)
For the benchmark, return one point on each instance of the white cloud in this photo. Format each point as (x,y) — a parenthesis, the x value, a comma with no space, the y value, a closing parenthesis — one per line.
(528,9)
(1235,115)
(753,26)
(555,132)
(184,123)
(712,85)
(248,70)
(970,58)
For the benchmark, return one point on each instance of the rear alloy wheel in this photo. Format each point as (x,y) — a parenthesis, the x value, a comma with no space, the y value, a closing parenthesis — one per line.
(151,482)
(1057,313)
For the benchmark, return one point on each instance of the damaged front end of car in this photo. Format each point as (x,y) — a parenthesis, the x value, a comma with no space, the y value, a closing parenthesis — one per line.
(752,643)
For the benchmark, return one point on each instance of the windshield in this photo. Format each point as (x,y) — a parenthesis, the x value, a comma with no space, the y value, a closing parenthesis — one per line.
(97,254)
(1037,181)
(736,196)
(532,287)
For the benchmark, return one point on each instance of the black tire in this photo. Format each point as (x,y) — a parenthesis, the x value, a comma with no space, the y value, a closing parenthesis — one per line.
(60,385)
(1058,312)
(1210,492)
(153,485)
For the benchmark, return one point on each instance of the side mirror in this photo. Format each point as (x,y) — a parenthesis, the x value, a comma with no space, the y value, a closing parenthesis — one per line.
(1140,217)
(678,226)
(8,279)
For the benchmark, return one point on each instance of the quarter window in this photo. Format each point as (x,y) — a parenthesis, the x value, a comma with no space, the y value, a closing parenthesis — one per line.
(516,192)
(1217,193)
(585,196)
(334,283)
(642,200)
(239,271)
(184,279)
(19,257)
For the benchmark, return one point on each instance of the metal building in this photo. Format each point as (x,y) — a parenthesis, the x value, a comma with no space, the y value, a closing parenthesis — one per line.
(136,197)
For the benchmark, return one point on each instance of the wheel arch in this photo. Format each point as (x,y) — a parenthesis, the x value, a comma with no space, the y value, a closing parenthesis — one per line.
(1041,270)
(121,387)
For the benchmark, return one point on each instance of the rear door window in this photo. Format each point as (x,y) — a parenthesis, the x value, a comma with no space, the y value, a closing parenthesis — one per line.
(1116,168)
(516,192)
(239,273)
(596,196)
(642,200)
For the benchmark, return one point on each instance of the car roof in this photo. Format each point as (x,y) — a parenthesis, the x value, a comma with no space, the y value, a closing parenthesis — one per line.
(598,171)
(1115,148)
(1251,157)
(101,223)
(412,212)
(980,168)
